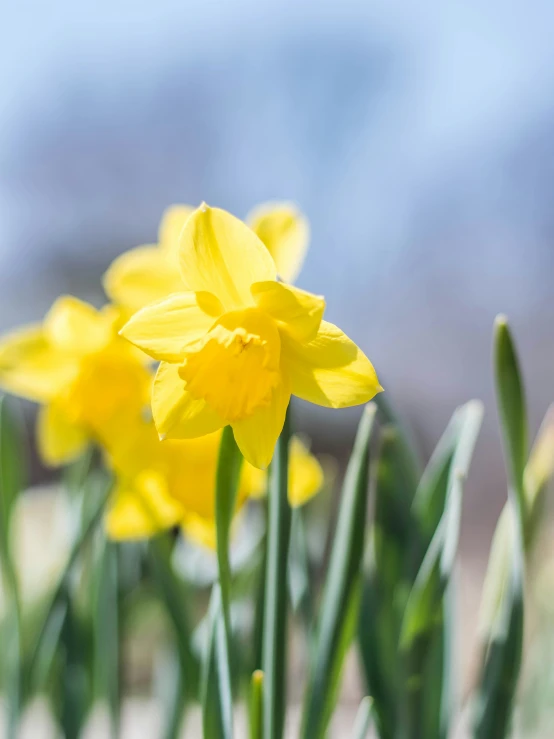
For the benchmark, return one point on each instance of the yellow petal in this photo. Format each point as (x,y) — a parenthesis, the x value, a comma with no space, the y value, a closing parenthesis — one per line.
(330,370)
(256,435)
(200,530)
(59,440)
(164,329)
(30,367)
(285,232)
(173,220)
(141,507)
(221,255)
(297,312)
(177,414)
(305,474)
(76,327)
(141,276)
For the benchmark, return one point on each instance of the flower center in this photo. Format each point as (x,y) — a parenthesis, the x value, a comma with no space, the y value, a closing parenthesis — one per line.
(235,367)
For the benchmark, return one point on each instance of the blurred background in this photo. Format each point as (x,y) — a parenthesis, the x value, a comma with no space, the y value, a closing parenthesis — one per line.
(417,137)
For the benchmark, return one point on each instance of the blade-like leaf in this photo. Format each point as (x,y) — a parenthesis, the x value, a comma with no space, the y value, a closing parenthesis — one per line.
(276,596)
(256,705)
(344,568)
(11,484)
(107,631)
(216,682)
(173,594)
(364,719)
(502,635)
(502,627)
(511,409)
(426,635)
(387,579)
(89,525)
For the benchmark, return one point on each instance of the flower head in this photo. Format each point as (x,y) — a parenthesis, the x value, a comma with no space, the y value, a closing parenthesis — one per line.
(83,374)
(237,343)
(148,273)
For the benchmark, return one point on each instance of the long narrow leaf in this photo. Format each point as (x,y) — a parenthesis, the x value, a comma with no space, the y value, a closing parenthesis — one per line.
(11,484)
(364,719)
(256,705)
(274,649)
(344,567)
(173,594)
(107,632)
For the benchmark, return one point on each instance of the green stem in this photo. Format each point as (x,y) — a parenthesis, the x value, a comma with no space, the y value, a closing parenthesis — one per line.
(276,599)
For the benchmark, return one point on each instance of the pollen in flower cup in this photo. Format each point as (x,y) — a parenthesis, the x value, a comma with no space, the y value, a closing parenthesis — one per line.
(237,343)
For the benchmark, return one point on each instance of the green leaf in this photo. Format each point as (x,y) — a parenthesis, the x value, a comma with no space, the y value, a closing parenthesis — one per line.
(299,573)
(274,646)
(11,484)
(426,635)
(217,714)
(107,637)
(511,408)
(435,572)
(90,523)
(256,705)
(344,567)
(75,693)
(502,625)
(388,574)
(502,635)
(364,719)
(173,594)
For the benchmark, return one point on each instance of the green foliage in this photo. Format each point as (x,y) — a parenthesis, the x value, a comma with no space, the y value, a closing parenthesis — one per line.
(388,588)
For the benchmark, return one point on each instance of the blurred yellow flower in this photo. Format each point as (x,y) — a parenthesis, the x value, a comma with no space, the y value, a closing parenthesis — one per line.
(148,273)
(160,485)
(237,345)
(83,374)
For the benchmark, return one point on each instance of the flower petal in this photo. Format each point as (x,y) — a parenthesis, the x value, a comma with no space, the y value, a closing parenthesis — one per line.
(298,312)
(305,473)
(59,440)
(220,254)
(164,329)
(141,507)
(76,327)
(330,370)
(200,530)
(257,434)
(141,276)
(171,225)
(30,367)
(177,414)
(286,232)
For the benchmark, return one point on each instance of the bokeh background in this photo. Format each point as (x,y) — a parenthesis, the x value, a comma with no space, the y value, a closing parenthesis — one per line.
(417,137)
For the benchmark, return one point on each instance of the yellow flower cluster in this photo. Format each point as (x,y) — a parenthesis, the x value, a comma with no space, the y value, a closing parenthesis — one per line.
(233,344)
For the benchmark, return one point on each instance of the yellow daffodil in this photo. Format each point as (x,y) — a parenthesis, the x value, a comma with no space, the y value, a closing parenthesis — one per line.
(81,372)
(160,485)
(148,273)
(238,343)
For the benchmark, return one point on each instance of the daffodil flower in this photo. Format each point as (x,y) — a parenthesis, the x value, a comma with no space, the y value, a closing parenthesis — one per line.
(161,485)
(238,343)
(81,372)
(148,273)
